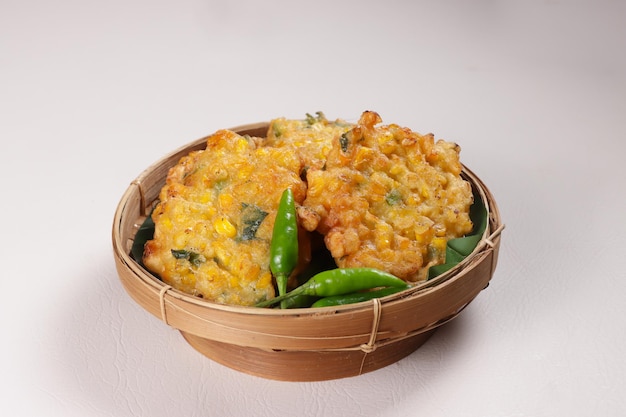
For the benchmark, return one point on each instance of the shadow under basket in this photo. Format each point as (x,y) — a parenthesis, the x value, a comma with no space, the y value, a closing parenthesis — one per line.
(308,344)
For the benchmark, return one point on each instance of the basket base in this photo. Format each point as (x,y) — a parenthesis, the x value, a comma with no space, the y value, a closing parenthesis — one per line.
(301,366)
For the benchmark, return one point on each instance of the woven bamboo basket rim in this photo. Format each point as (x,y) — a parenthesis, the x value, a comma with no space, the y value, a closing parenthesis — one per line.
(364,326)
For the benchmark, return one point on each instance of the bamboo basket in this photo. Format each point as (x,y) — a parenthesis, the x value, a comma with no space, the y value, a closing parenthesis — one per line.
(300,344)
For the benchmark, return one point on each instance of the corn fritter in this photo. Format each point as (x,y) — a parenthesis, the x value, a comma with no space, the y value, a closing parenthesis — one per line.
(214,219)
(380,196)
(388,198)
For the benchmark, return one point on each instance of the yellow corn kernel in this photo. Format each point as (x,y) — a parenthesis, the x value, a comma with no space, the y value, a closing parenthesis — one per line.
(403,244)
(316,185)
(204,198)
(188,279)
(424,230)
(209,211)
(241,145)
(387,255)
(412,200)
(334,185)
(281,159)
(396,169)
(222,257)
(225,201)
(180,239)
(252,270)
(265,280)
(225,227)
(245,171)
(376,191)
(386,143)
(363,155)
(439,243)
(166,223)
(384,137)
(384,236)
(440,230)
(233,282)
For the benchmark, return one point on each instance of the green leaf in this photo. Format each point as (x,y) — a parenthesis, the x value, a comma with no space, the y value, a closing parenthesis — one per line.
(144,234)
(194,258)
(393,197)
(251,218)
(311,120)
(460,248)
(344,142)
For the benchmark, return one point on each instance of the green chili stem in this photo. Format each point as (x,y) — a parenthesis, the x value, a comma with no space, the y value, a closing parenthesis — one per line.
(298,301)
(281,283)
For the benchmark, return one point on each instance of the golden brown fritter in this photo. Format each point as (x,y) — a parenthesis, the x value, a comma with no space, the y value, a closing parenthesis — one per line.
(310,138)
(213,224)
(381,196)
(388,198)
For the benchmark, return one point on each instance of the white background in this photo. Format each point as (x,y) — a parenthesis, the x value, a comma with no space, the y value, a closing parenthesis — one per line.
(93,92)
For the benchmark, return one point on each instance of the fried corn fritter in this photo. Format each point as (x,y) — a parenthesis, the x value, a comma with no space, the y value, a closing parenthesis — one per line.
(310,138)
(214,219)
(388,198)
(380,196)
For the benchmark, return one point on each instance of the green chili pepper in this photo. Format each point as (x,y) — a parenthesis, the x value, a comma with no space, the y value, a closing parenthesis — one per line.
(357,297)
(341,281)
(298,301)
(284,245)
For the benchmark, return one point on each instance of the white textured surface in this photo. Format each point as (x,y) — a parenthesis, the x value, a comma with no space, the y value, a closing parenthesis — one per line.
(535,92)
